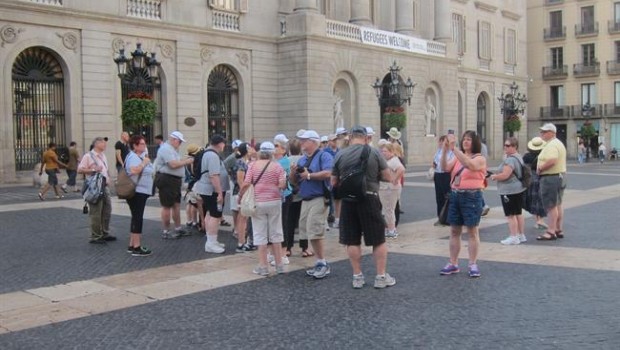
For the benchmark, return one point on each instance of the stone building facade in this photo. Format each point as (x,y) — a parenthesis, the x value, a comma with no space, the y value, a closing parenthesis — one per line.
(250,69)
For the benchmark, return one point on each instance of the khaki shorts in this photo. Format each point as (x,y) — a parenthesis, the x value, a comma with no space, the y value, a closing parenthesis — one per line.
(313,218)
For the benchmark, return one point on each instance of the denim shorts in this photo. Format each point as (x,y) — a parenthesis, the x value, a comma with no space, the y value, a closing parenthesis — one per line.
(465,208)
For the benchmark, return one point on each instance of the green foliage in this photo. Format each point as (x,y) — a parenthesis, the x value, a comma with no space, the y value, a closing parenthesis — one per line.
(512,124)
(138,111)
(395,117)
(588,131)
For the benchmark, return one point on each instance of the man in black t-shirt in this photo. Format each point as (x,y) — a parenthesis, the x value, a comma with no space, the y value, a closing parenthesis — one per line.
(121,148)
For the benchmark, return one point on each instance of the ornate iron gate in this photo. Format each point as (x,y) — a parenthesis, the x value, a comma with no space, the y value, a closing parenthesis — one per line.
(223,97)
(38,106)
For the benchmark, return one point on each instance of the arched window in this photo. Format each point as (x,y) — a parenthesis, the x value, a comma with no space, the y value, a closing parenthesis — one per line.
(481,124)
(139,80)
(223,98)
(38,106)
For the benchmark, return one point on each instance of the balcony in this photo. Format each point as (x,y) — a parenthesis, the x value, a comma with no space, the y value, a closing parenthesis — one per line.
(559,112)
(554,33)
(612,110)
(555,72)
(585,30)
(613,27)
(595,111)
(613,67)
(587,70)
(553,2)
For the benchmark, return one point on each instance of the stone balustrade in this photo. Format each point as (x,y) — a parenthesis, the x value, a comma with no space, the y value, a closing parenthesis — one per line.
(46,2)
(147,9)
(226,21)
(344,31)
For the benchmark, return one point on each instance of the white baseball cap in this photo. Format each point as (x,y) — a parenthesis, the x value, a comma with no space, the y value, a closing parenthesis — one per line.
(280,138)
(549,127)
(177,135)
(236,143)
(311,135)
(369,131)
(341,131)
(324,139)
(267,146)
(300,132)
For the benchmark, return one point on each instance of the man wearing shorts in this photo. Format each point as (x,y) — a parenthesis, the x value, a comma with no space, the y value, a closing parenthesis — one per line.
(552,172)
(170,170)
(312,173)
(363,217)
(212,187)
(51,164)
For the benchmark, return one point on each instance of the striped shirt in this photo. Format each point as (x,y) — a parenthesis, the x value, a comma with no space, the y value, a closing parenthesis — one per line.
(266,189)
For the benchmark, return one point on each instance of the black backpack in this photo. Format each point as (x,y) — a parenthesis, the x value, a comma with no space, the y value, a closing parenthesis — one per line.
(526,174)
(352,184)
(197,171)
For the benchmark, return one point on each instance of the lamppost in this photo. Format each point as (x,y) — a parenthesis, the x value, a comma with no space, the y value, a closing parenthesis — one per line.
(138,61)
(392,93)
(512,104)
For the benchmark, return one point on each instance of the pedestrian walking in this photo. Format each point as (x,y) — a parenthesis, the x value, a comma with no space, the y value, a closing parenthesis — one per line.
(99,213)
(581,152)
(72,163)
(468,170)
(363,217)
(511,191)
(552,172)
(52,165)
(138,165)
(602,152)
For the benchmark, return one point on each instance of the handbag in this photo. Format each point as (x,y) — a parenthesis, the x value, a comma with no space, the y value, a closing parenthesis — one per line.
(247,206)
(125,187)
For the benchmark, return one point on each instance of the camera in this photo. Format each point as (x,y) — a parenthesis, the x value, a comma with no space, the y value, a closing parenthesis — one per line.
(300,170)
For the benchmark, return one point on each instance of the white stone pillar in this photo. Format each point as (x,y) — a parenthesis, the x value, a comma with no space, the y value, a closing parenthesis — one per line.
(442,20)
(360,12)
(306,6)
(404,17)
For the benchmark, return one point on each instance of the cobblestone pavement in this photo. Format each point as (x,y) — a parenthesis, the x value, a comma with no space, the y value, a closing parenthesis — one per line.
(59,292)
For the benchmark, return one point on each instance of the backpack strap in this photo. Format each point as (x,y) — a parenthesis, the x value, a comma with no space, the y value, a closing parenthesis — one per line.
(203,154)
(521,164)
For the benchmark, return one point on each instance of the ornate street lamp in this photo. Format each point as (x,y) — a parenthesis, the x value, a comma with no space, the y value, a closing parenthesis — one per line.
(397,92)
(512,105)
(139,60)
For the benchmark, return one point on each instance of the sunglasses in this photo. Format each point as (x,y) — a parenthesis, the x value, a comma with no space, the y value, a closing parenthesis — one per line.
(507,145)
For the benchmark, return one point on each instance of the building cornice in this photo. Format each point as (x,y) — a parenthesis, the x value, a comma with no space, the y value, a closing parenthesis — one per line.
(461,1)
(511,15)
(485,7)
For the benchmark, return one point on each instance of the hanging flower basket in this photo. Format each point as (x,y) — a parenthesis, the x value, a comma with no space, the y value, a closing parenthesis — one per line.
(512,124)
(395,117)
(138,110)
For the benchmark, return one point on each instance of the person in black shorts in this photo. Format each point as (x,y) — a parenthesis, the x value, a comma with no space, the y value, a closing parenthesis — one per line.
(363,217)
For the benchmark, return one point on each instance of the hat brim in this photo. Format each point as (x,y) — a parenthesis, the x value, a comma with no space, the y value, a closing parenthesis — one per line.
(531,146)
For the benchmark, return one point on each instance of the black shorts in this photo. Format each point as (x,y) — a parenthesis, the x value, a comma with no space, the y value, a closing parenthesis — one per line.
(209,204)
(336,193)
(169,187)
(362,218)
(512,203)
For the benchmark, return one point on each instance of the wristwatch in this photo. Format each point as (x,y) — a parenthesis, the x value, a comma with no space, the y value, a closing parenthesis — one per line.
(308,177)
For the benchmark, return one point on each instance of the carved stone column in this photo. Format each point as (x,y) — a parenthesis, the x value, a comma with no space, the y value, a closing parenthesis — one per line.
(442,20)
(360,12)
(306,6)
(305,19)
(404,17)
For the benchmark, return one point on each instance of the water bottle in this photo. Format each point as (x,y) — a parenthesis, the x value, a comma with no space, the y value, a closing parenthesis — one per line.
(220,207)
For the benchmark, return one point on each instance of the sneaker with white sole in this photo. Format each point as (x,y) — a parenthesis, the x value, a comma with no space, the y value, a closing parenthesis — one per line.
(213,248)
(319,271)
(272,260)
(522,238)
(358,281)
(384,281)
(280,269)
(511,240)
(261,271)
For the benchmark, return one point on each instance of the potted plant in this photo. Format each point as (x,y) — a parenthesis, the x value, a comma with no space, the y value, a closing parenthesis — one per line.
(512,124)
(138,110)
(395,117)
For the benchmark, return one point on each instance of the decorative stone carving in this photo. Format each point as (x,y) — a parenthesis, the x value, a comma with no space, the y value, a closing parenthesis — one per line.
(430,113)
(9,34)
(167,51)
(206,54)
(244,59)
(463,84)
(338,119)
(118,44)
(69,40)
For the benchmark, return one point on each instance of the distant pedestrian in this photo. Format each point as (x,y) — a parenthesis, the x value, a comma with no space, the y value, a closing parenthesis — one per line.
(292,224)
(389,191)
(441,177)
(170,170)
(468,169)
(74,159)
(581,152)
(511,191)
(364,217)
(138,166)
(533,201)
(121,150)
(552,172)
(602,152)
(269,179)
(52,165)
(100,213)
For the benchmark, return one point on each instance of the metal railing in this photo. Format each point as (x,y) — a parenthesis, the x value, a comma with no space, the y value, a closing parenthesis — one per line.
(587,29)
(559,112)
(578,111)
(554,72)
(587,70)
(613,67)
(554,33)
(612,110)
(613,27)
(553,2)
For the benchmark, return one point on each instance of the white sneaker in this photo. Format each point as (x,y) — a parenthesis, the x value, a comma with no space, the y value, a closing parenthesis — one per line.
(336,224)
(272,260)
(221,244)
(522,238)
(512,240)
(213,248)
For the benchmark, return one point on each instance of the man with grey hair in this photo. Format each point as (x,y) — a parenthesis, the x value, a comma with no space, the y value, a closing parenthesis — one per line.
(100,213)
(362,216)
(312,173)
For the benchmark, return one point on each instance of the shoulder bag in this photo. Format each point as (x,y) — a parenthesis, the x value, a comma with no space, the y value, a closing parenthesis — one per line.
(247,206)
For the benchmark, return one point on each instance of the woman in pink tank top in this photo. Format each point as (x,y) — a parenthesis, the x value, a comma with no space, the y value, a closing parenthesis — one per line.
(468,169)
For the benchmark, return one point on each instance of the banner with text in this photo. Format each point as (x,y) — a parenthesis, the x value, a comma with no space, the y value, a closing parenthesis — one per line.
(393,40)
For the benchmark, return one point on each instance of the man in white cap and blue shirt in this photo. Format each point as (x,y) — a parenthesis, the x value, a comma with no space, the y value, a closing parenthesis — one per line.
(312,172)
(170,169)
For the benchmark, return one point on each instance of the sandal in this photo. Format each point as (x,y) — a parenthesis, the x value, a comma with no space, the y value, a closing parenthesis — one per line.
(547,236)
(288,253)
(224,223)
(559,234)
(306,254)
